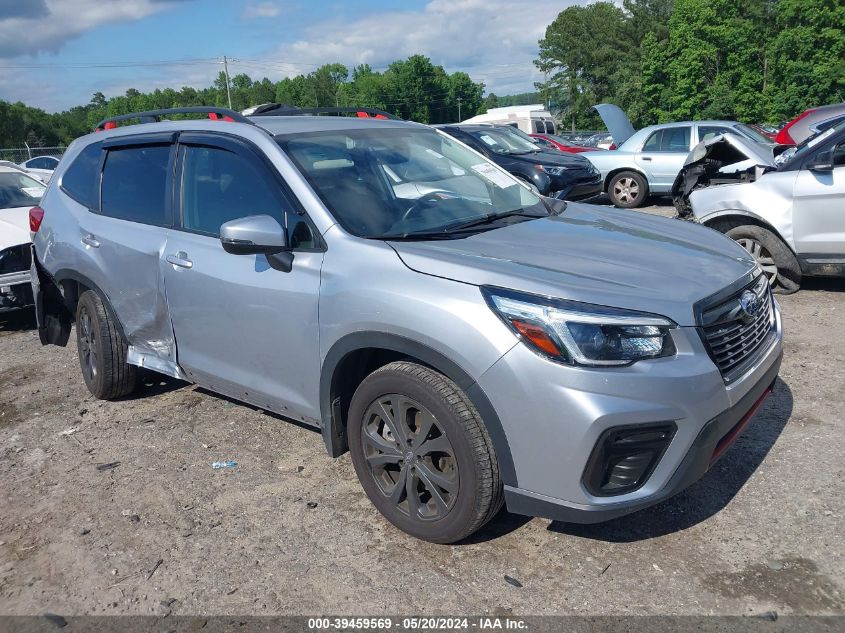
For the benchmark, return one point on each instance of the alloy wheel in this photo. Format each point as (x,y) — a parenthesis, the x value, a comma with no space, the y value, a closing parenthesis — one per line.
(410,458)
(762,256)
(87,344)
(626,189)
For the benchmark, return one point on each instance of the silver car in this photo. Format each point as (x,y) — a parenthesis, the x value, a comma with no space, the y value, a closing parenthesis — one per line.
(647,161)
(471,344)
(787,212)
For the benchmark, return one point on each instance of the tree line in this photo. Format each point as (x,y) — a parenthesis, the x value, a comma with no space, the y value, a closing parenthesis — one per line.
(413,88)
(659,60)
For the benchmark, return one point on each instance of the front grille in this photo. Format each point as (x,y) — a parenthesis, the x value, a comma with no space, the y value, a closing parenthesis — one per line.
(733,336)
(15,259)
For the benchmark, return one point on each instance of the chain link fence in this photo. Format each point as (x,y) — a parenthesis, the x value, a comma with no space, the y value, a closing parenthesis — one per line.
(21,154)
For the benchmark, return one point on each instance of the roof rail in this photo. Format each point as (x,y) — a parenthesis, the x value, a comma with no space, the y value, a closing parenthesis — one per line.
(153,116)
(281,109)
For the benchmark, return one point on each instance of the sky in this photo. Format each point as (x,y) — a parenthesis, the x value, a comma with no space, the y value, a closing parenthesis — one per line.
(57,53)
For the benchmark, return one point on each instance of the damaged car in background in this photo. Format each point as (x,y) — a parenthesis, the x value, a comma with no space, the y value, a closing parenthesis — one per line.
(787,211)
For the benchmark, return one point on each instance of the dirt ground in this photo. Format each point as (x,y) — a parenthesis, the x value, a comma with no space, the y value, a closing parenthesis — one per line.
(114,508)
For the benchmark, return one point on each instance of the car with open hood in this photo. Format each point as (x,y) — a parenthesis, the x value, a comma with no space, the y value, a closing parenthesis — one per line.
(472,344)
(787,211)
(19,192)
(647,161)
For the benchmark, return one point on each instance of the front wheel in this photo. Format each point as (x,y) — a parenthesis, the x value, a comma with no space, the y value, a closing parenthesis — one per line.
(627,189)
(422,453)
(779,264)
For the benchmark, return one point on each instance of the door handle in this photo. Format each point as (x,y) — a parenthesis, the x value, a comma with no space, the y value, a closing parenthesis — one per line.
(89,240)
(180,259)
(648,158)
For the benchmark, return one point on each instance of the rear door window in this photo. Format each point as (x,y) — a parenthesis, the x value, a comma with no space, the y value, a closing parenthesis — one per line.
(135,184)
(672,139)
(81,181)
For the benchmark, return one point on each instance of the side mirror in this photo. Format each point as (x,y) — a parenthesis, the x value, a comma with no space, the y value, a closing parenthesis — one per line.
(822,162)
(258,234)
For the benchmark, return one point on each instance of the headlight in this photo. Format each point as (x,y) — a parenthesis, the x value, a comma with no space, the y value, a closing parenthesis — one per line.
(552,171)
(580,333)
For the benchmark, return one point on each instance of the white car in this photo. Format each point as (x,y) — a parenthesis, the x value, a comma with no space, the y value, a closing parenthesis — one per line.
(789,212)
(19,192)
(41,165)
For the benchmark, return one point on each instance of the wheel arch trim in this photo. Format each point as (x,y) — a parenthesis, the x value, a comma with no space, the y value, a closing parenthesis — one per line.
(743,216)
(66,274)
(333,427)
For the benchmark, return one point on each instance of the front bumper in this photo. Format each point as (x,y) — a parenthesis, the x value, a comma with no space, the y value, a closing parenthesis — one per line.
(579,190)
(15,291)
(552,426)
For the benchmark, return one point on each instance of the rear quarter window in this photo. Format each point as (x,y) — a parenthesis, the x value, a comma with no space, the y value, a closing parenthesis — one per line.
(135,184)
(81,180)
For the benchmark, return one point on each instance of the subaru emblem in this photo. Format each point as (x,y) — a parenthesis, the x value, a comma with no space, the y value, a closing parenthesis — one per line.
(749,302)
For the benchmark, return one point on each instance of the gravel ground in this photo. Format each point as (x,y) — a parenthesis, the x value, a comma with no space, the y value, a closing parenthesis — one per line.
(114,508)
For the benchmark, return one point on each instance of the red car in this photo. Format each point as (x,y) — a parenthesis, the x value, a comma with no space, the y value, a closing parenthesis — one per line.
(550,141)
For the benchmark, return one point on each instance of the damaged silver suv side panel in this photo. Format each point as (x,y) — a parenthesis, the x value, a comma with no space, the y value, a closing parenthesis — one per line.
(784,209)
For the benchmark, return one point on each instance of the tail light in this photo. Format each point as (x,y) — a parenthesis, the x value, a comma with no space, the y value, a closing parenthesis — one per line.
(784,137)
(36,215)
(612,146)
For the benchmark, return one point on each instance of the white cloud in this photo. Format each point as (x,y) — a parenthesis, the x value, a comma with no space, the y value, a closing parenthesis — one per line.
(495,41)
(51,23)
(261,10)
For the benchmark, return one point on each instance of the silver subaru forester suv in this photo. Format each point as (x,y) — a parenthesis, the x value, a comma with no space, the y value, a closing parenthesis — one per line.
(470,343)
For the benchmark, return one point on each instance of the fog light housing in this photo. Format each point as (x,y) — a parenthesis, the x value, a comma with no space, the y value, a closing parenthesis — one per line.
(625,456)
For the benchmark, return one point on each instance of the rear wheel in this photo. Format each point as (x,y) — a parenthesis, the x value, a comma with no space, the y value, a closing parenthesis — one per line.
(627,189)
(422,453)
(779,264)
(102,350)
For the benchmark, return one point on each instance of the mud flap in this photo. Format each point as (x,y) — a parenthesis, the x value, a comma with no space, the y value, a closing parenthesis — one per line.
(51,314)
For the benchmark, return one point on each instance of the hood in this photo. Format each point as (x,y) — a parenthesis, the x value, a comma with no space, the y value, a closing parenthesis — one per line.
(14,227)
(616,122)
(618,258)
(543,157)
(734,152)
(723,159)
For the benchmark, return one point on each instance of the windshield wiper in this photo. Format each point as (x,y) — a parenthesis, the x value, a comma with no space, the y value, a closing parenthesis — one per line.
(489,219)
(453,230)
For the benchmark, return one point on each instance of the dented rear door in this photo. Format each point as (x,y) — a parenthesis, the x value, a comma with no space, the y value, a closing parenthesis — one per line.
(126,238)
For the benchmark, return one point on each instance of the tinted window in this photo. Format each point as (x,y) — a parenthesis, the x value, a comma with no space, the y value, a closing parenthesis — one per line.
(81,180)
(550,127)
(839,155)
(135,183)
(218,186)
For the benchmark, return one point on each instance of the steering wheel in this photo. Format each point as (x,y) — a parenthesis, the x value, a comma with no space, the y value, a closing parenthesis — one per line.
(426,200)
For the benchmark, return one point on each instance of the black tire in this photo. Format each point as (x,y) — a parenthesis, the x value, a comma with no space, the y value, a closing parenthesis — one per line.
(471,470)
(627,189)
(777,260)
(102,350)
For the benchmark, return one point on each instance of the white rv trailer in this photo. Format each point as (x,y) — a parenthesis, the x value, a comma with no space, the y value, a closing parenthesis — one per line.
(531,119)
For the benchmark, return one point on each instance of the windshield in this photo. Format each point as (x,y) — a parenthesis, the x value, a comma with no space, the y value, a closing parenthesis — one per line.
(753,134)
(501,140)
(19,190)
(404,181)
